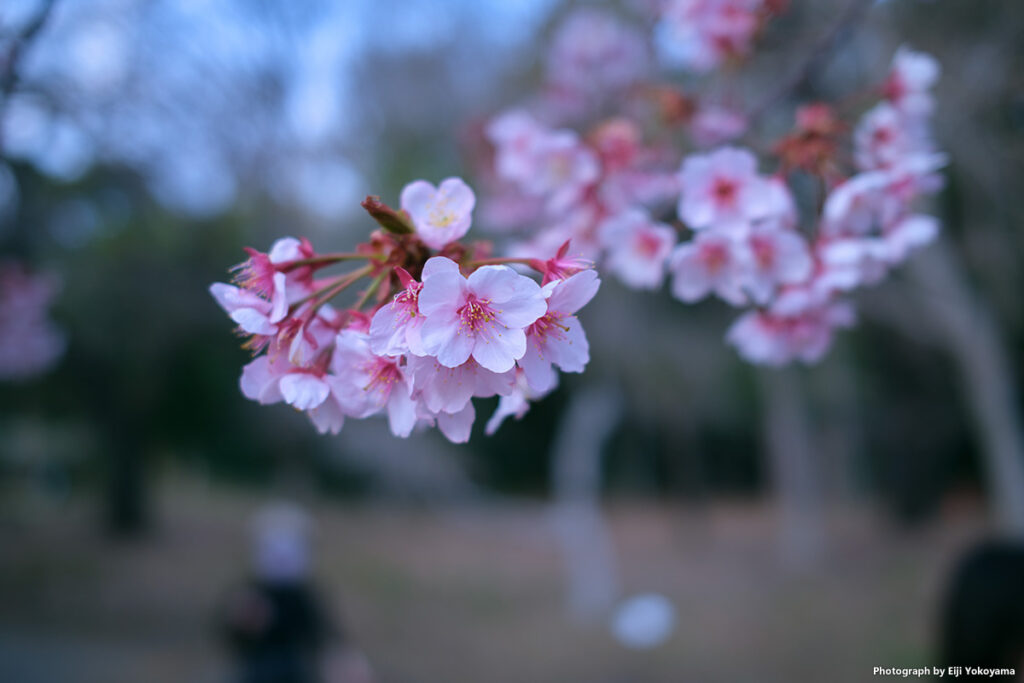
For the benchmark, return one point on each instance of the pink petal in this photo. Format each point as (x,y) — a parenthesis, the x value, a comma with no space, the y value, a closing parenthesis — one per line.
(537,369)
(259,381)
(304,391)
(401,412)
(458,427)
(416,197)
(498,350)
(442,294)
(575,292)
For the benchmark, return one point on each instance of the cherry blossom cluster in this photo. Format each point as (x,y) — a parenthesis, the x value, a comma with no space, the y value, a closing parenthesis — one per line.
(868,223)
(699,35)
(717,223)
(439,323)
(30,342)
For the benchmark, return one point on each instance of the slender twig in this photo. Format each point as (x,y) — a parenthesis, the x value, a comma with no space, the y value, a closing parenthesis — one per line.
(365,296)
(828,42)
(345,282)
(9,65)
(323,259)
(334,287)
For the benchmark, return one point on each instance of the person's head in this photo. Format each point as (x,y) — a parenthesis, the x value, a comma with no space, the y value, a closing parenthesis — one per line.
(983,619)
(281,544)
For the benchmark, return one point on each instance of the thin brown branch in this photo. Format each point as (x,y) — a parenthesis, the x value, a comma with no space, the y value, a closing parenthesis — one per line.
(15,52)
(853,13)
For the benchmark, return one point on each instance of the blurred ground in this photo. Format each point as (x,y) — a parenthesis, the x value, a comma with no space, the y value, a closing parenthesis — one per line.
(473,593)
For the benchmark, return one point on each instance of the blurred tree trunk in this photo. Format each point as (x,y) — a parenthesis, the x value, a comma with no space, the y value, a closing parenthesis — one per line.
(126,497)
(794,474)
(126,514)
(972,335)
(588,422)
(839,437)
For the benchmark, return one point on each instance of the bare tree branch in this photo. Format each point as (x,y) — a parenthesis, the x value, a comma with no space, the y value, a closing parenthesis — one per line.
(829,41)
(15,52)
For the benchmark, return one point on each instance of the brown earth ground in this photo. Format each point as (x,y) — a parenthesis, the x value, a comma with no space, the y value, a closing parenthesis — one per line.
(475,593)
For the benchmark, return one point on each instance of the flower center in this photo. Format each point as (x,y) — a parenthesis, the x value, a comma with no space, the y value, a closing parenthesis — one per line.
(256,274)
(408,299)
(383,375)
(714,256)
(647,244)
(724,191)
(882,136)
(440,215)
(764,252)
(548,325)
(475,314)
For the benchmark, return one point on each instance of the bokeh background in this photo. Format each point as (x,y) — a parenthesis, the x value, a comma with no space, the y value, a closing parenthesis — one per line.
(802,522)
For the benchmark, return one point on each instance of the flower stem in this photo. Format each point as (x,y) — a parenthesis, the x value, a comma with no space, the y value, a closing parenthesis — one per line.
(368,292)
(329,291)
(323,259)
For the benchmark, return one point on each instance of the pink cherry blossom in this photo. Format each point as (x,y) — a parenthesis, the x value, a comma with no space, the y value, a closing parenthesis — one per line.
(699,34)
(884,137)
(766,338)
(483,316)
(913,74)
(395,328)
(514,135)
(272,379)
(457,427)
(594,52)
(848,263)
(557,338)
(250,311)
(447,390)
(775,257)
(265,275)
(712,125)
(723,190)
(309,333)
(563,168)
(852,207)
(261,380)
(368,384)
(441,214)
(30,343)
(910,233)
(561,265)
(637,248)
(711,262)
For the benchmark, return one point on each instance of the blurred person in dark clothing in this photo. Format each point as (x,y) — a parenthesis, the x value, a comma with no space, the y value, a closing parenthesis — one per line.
(277,625)
(983,618)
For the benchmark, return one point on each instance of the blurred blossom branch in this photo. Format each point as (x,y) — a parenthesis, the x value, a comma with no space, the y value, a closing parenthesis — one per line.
(830,40)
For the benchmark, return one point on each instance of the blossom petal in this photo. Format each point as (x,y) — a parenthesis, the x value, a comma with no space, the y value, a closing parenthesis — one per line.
(575,292)
(304,391)
(498,350)
(572,352)
(457,427)
(259,382)
(537,368)
(401,412)
(442,293)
